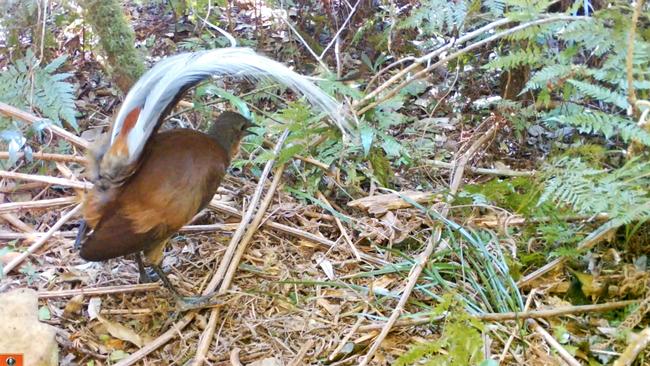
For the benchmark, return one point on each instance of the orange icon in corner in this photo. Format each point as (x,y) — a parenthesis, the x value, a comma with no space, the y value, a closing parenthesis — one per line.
(11,359)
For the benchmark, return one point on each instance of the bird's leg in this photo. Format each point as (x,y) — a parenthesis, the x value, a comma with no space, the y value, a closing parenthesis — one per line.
(147,275)
(81,232)
(185,302)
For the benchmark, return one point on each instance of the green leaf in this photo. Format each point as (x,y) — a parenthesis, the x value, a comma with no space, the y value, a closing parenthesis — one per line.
(287,153)
(391,146)
(44,313)
(236,101)
(118,355)
(56,63)
(600,93)
(367,136)
(26,84)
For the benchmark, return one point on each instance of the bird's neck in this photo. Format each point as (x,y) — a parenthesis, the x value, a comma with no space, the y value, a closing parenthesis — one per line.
(225,140)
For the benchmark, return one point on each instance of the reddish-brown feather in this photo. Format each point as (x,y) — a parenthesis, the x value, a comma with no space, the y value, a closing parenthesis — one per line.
(179,173)
(130,121)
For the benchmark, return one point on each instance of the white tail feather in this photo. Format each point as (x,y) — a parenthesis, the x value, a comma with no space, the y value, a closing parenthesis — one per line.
(160,85)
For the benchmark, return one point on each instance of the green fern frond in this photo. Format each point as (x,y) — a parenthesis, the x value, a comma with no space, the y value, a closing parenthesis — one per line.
(591,191)
(495,7)
(596,122)
(27,85)
(547,74)
(600,93)
(514,59)
(525,10)
(591,34)
(637,213)
(437,16)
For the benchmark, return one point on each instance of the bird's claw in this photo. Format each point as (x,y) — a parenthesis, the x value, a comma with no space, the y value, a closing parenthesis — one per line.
(148,276)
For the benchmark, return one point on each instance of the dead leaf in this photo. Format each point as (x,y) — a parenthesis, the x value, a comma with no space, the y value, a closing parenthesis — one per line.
(94,307)
(271,361)
(332,309)
(327,267)
(381,203)
(73,307)
(116,330)
(122,332)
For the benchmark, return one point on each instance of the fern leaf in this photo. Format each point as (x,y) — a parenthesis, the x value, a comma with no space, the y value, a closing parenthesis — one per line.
(515,59)
(572,182)
(26,84)
(600,93)
(549,73)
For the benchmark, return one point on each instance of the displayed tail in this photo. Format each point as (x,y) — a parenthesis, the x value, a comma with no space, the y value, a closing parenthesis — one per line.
(160,88)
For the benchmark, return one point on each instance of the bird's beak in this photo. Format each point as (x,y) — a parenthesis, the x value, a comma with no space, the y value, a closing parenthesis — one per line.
(248,126)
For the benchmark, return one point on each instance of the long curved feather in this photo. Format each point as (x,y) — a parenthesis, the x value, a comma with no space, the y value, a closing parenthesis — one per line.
(160,86)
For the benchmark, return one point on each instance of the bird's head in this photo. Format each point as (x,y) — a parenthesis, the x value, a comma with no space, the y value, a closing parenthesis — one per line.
(229,129)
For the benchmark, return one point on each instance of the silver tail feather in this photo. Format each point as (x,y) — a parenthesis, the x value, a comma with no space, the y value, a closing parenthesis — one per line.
(161,86)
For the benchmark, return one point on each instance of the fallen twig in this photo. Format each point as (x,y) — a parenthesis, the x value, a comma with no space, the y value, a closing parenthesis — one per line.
(40,204)
(498,172)
(360,109)
(342,229)
(35,235)
(326,243)
(511,338)
(638,343)
(94,291)
(344,341)
(16,222)
(498,317)
(34,247)
(10,111)
(561,351)
(230,261)
(493,221)
(592,239)
(48,157)
(46,179)
(160,341)
(297,361)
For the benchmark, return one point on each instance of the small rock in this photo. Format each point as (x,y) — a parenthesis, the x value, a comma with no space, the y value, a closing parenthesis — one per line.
(21,332)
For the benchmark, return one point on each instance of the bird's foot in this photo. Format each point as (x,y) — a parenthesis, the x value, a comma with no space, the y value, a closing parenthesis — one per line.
(148,276)
(185,303)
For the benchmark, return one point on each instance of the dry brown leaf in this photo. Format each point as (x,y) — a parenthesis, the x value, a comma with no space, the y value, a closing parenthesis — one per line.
(384,202)
(328,268)
(122,332)
(73,307)
(116,330)
(329,307)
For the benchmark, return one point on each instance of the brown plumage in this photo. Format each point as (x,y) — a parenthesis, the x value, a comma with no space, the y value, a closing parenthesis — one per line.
(177,176)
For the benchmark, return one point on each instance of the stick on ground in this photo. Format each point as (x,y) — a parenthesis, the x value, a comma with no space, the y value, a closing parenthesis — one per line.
(34,247)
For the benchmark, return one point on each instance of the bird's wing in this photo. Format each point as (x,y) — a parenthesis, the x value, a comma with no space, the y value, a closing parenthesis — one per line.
(115,236)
